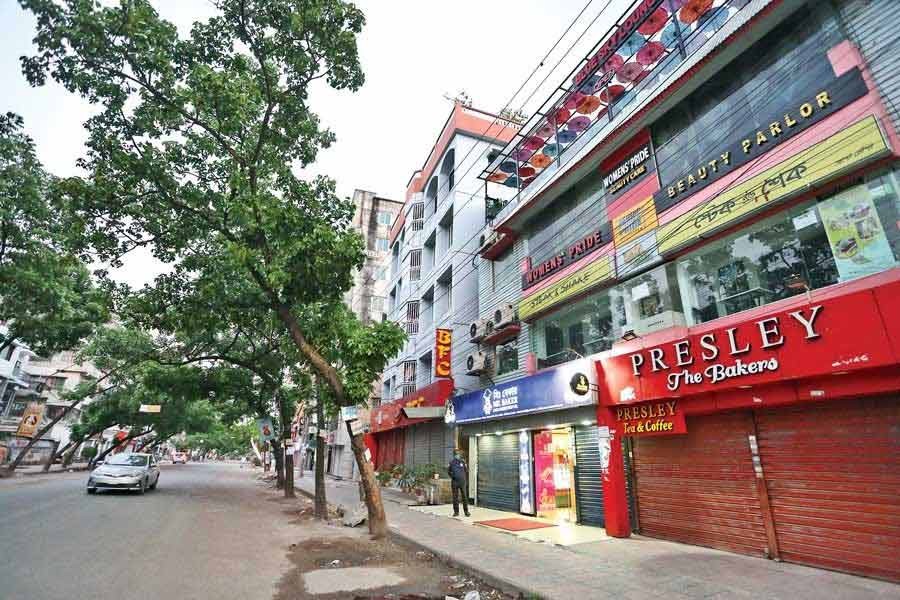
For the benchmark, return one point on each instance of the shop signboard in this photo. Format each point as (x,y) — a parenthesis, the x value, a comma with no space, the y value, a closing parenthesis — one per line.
(390,415)
(789,120)
(634,223)
(577,250)
(628,171)
(526,481)
(854,145)
(31,419)
(349,413)
(547,390)
(443,339)
(569,286)
(651,418)
(804,340)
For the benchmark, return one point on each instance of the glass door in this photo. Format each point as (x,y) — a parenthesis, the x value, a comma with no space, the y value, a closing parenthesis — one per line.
(554,466)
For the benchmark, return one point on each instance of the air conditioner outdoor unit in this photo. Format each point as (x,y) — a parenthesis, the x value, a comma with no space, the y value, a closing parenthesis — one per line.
(504,315)
(488,240)
(476,363)
(479,329)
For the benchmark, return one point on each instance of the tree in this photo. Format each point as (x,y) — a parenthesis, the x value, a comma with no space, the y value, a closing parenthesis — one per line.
(193,152)
(47,298)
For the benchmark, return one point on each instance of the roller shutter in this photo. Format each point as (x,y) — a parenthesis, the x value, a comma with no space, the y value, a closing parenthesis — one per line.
(498,472)
(588,477)
(699,488)
(833,476)
(390,448)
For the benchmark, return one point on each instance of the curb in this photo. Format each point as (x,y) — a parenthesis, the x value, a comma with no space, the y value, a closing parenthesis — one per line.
(504,585)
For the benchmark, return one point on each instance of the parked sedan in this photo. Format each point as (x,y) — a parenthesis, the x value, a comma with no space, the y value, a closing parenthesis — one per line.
(125,472)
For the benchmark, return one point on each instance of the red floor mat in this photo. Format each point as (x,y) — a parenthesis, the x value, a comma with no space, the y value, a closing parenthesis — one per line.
(515,524)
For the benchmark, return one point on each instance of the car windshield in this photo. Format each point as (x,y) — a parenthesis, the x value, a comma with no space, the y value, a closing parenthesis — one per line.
(128,460)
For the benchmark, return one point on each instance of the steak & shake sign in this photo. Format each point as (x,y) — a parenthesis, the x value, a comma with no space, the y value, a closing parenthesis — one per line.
(690,364)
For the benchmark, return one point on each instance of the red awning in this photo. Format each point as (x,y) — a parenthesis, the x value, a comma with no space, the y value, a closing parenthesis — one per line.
(391,416)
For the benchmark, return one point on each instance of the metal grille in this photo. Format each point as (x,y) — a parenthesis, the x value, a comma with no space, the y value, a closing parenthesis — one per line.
(412,318)
(409,371)
(406,389)
(415,265)
(418,216)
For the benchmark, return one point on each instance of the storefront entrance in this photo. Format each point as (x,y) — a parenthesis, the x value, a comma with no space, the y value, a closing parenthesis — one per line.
(554,474)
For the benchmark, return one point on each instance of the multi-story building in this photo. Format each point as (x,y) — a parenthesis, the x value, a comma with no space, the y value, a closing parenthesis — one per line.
(14,397)
(372,218)
(702,250)
(433,290)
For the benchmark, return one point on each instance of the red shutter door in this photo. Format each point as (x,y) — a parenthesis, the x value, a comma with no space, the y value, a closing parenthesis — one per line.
(833,475)
(390,448)
(699,488)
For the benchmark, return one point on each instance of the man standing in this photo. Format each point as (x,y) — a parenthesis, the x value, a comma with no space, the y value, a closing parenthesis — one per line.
(459,482)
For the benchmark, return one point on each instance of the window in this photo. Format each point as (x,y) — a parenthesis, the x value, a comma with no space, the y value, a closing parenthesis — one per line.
(415,265)
(787,63)
(9,351)
(508,358)
(381,274)
(382,244)
(581,329)
(579,212)
(847,235)
(450,235)
(377,304)
(7,397)
(385,218)
(647,303)
(503,270)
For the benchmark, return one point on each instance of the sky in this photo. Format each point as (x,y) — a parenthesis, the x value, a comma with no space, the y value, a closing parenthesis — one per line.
(413,54)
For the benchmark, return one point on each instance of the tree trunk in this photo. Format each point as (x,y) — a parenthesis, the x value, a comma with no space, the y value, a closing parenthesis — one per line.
(71,455)
(321,507)
(124,440)
(59,453)
(287,448)
(49,462)
(8,471)
(278,455)
(378,526)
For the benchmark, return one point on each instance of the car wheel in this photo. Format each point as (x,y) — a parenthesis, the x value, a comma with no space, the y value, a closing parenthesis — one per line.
(143,489)
(92,490)
(153,487)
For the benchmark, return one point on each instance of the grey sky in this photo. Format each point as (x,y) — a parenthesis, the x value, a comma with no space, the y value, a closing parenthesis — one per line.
(412,53)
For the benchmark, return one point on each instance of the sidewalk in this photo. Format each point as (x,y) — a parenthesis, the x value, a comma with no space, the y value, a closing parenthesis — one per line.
(39,469)
(637,567)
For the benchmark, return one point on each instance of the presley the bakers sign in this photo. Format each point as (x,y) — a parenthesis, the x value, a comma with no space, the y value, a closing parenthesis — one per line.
(804,341)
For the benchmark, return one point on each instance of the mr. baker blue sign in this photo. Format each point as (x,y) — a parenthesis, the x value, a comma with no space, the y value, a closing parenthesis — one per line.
(565,386)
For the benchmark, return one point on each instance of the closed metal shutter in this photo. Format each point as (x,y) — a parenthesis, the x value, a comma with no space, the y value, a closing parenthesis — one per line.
(833,476)
(437,443)
(628,460)
(390,448)
(588,477)
(498,472)
(699,487)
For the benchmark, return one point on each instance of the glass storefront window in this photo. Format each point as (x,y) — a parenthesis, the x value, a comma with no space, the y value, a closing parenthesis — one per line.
(847,235)
(582,328)
(508,358)
(647,303)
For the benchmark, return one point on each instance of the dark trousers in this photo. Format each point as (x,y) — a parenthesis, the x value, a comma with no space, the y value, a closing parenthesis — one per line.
(460,488)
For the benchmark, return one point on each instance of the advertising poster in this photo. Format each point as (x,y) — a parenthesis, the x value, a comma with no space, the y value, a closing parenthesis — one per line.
(543,471)
(31,419)
(526,483)
(266,430)
(855,234)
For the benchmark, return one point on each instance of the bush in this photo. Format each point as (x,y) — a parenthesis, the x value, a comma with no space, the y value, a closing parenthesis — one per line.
(383,477)
(88,452)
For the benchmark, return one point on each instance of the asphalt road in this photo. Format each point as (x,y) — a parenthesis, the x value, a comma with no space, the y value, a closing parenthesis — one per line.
(207,531)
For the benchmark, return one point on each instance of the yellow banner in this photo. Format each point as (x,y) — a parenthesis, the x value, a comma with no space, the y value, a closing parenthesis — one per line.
(28,426)
(570,285)
(857,143)
(635,223)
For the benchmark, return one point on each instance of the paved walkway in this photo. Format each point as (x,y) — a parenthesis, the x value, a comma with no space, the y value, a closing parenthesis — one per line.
(637,567)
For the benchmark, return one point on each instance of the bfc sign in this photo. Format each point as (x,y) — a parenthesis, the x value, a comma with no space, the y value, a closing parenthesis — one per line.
(442,342)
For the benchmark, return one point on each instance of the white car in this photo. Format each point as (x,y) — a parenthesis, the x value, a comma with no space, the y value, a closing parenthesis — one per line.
(179,457)
(130,471)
